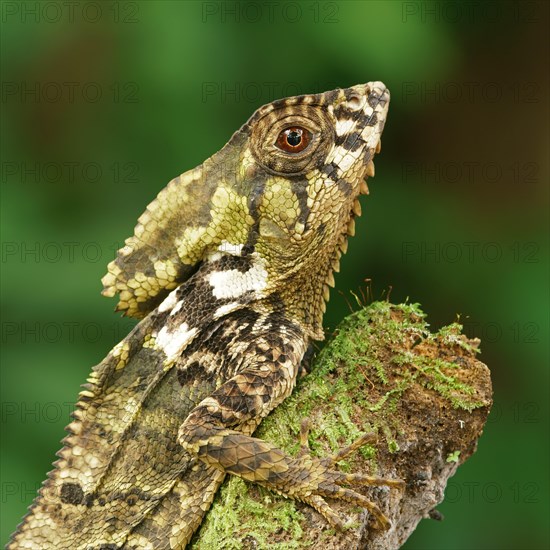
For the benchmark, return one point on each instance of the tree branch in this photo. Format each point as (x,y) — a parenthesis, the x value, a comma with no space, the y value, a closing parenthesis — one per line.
(425,395)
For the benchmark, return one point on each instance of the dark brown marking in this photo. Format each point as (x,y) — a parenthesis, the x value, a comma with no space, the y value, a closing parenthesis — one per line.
(190,373)
(299,189)
(372,120)
(71,493)
(345,187)
(330,171)
(239,263)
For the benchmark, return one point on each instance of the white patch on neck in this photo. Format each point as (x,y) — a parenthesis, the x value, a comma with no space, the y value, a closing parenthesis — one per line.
(177,307)
(226,248)
(233,283)
(229,248)
(169,302)
(174,342)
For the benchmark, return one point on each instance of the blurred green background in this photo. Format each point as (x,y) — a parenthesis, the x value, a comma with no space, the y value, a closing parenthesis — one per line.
(103,103)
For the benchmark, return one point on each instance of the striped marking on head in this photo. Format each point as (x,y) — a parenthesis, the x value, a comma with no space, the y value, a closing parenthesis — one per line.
(360,118)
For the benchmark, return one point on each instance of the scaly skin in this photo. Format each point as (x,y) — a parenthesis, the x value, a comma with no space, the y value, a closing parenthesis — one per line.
(229,269)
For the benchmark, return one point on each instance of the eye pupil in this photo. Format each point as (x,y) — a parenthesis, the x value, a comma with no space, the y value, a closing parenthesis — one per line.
(294,139)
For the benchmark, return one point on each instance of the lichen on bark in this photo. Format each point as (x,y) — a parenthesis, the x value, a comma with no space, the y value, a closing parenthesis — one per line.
(424,394)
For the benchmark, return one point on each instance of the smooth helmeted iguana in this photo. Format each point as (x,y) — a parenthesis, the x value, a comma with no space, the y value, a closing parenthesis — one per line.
(229,269)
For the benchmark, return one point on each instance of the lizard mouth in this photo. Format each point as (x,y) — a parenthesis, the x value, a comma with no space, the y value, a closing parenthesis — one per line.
(369,171)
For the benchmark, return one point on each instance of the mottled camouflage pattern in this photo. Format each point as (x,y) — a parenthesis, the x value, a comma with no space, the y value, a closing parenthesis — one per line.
(230,268)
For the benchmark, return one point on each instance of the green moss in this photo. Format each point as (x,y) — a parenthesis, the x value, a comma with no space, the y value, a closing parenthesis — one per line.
(365,347)
(233,509)
(453,457)
(451,334)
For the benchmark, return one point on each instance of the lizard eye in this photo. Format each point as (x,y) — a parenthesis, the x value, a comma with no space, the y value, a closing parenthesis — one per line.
(293,139)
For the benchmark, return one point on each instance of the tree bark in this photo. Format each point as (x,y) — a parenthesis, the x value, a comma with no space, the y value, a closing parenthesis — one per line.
(424,394)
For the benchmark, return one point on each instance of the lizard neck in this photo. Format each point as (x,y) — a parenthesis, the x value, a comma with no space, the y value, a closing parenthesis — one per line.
(302,292)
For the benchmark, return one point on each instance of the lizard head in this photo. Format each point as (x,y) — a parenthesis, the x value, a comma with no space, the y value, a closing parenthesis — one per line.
(284,189)
(314,153)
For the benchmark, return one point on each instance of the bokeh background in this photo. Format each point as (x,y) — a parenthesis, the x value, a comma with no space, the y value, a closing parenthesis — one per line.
(103,103)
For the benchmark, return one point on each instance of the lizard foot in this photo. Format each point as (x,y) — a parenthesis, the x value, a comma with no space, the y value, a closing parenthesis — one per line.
(322,480)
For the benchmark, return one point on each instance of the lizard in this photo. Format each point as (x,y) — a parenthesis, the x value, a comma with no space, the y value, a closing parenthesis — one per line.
(229,271)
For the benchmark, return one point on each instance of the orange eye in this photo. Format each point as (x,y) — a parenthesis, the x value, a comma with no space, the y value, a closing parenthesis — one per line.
(293,139)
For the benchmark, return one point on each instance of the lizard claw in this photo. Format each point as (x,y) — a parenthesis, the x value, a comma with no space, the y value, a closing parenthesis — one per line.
(329,481)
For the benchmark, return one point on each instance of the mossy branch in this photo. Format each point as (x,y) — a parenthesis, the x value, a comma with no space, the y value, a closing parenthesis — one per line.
(425,395)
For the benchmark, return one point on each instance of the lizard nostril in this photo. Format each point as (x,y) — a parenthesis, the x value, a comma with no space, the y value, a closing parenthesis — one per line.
(356,102)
